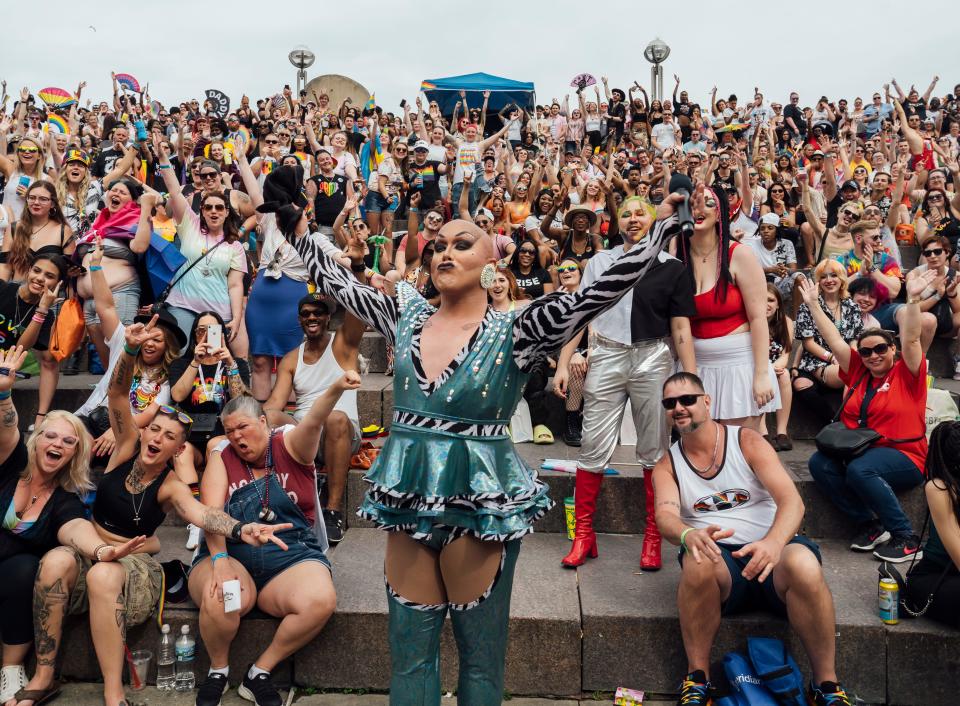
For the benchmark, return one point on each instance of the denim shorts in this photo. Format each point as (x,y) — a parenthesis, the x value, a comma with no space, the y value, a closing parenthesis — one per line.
(126,300)
(375,203)
(886,316)
(266,562)
(744,594)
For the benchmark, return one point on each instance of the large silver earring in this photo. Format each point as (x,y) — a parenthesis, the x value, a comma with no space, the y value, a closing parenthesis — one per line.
(487,275)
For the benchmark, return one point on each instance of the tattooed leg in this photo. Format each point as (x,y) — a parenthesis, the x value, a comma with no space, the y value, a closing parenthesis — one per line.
(56,578)
(105,583)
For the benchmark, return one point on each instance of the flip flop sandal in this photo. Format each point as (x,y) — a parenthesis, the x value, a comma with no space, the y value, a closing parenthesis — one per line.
(361,461)
(542,434)
(39,696)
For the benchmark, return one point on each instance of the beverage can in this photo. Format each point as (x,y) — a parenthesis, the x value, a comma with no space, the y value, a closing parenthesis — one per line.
(570,515)
(889,601)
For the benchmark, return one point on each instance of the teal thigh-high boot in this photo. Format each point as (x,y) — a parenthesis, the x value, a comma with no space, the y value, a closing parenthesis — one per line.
(481,633)
(414,652)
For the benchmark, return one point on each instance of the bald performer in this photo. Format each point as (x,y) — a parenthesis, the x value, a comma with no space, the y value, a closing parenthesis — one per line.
(448,484)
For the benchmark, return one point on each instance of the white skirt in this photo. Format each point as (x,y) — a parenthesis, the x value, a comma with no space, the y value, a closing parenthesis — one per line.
(725,365)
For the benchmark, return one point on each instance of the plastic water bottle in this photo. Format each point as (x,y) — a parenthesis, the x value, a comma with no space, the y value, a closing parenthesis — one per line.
(186,650)
(166,661)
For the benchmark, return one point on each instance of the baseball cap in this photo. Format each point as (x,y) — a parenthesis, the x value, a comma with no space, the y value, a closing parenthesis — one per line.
(421,145)
(850,184)
(770,219)
(315,299)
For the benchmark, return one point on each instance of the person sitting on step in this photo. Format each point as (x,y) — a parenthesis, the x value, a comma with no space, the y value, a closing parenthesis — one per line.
(725,498)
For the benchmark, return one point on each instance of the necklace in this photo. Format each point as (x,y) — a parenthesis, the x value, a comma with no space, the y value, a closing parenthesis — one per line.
(703,258)
(266,513)
(39,228)
(713,463)
(137,487)
(18,326)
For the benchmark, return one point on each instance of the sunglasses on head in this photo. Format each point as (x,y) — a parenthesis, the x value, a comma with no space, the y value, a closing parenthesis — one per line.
(567,268)
(177,414)
(214,207)
(933,252)
(685,400)
(879,349)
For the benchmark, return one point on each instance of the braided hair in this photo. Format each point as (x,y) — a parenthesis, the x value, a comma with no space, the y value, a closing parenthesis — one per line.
(943,461)
(724,278)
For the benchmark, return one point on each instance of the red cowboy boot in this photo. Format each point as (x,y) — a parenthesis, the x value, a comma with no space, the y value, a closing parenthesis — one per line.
(585,504)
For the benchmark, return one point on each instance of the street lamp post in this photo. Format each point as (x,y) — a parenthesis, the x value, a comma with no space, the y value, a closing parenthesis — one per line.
(301,58)
(656,53)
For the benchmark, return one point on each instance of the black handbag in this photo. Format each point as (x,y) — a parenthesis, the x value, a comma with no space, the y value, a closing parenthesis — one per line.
(842,443)
(888,570)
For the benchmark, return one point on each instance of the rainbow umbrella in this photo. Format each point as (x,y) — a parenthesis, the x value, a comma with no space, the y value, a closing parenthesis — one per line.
(57,124)
(56,97)
(128,82)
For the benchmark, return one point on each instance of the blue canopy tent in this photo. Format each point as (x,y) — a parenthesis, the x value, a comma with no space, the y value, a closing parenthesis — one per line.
(503,91)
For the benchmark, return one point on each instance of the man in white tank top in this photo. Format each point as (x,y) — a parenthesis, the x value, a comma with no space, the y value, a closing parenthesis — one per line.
(725,498)
(308,371)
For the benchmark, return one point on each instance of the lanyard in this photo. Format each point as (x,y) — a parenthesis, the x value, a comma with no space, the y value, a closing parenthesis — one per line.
(208,391)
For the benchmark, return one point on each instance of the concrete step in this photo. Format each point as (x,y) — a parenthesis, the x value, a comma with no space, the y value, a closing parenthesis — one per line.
(577,632)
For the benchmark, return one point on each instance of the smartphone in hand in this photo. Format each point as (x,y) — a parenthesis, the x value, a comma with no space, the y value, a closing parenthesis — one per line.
(215,336)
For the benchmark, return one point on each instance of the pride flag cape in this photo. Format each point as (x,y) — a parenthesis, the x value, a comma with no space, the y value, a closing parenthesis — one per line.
(370,157)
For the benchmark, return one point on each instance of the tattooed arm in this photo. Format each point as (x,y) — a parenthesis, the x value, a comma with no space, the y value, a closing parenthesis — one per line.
(124,428)
(10,362)
(174,492)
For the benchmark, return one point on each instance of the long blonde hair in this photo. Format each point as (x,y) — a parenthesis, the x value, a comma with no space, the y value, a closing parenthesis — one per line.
(41,160)
(75,476)
(63,189)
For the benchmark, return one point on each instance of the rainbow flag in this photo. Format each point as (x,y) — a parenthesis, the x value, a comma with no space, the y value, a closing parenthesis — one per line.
(57,124)
(370,157)
(427,86)
(371,102)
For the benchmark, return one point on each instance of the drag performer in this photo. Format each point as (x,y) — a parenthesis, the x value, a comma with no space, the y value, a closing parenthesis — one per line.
(448,484)
(629,359)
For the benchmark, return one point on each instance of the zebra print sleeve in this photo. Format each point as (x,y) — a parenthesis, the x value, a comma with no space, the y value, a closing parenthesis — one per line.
(550,321)
(371,306)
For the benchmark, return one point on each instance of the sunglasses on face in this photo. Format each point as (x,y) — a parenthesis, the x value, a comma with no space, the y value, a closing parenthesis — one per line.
(208,175)
(933,252)
(935,197)
(312,314)
(27,150)
(879,349)
(567,268)
(214,207)
(527,251)
(177,414)
(272,142)
(852,215)
(777,191)
(68,441)
(685,400)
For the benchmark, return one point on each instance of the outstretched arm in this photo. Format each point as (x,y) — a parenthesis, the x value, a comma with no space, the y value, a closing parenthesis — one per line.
(550,321)
(303,440)
(370,305)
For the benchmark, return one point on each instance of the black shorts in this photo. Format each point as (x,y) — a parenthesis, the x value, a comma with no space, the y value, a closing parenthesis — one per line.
(744,594)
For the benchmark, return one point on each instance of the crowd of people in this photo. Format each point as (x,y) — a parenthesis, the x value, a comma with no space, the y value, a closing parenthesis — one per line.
(503,255)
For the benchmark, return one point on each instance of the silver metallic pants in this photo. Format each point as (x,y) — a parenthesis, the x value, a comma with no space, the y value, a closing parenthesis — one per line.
(619,372)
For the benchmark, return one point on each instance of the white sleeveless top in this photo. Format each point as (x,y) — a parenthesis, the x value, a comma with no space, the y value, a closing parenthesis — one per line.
(311,381)
(734,498)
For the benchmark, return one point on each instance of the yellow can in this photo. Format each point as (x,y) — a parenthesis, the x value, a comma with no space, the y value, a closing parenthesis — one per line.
(569,512)
(889,600)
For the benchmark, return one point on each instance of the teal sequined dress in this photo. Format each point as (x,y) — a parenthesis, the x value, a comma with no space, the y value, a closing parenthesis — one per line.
(448,467)
(448,461)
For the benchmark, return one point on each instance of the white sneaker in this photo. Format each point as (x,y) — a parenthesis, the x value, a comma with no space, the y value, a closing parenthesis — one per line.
(193,536)
(12,679)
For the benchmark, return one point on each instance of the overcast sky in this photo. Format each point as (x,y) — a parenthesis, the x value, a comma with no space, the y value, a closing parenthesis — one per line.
(184,47)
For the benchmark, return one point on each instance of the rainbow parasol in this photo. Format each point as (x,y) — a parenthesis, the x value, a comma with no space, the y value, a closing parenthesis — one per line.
(57,124)
(56,97)
(128,82)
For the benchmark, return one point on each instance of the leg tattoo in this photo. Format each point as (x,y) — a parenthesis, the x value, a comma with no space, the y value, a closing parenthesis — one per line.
(48,601)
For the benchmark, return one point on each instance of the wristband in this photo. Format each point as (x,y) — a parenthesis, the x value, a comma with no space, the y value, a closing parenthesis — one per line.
(358,267)
(164,166)
(95,268)
(683,536)
(128,351)
(233,372)
(914,301)
(218,555)
(43,310)
(96,552)
(5,395)
(39,318)
(237,531)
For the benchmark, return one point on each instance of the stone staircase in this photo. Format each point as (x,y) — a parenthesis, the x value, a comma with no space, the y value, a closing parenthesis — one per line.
(572,632)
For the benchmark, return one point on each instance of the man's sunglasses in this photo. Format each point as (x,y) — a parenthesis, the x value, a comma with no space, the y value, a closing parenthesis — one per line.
(313,314)
(685,400)
(272,142)
(933,252)
(177,414)
(879,349)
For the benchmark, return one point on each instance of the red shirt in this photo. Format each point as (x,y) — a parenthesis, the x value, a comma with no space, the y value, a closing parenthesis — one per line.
(717,316)
(295,478)
(897,410)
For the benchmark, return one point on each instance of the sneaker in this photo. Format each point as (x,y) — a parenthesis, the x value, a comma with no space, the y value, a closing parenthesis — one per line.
(212,689)
(12,679)
(333,520)
(260,690)
(695,690)
(784,443)
(902,548)
(193,536)
(829,694)
(870,536)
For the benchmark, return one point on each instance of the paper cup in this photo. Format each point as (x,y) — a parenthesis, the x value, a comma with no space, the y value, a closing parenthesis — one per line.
(570,515)
(139,669)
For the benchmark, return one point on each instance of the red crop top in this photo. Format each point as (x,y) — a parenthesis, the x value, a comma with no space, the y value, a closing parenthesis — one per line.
(718,316)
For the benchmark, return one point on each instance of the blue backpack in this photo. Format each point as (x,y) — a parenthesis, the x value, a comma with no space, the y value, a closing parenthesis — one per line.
(746,689)
(769,677)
